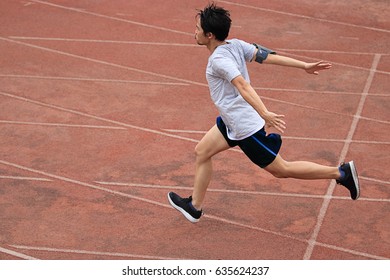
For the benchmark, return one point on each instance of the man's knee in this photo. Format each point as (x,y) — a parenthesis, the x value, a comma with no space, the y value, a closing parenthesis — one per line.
(203,153)
(199,152)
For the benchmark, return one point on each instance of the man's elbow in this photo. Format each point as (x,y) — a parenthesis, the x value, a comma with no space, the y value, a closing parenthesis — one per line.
(240,83)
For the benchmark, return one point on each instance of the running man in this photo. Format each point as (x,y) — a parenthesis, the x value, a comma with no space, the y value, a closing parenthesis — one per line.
(243,116)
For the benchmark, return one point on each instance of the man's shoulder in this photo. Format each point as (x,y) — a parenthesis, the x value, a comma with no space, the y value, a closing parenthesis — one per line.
(237,42)
(225,51)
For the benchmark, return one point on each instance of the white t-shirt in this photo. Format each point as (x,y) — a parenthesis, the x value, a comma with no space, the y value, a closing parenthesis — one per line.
(226,63)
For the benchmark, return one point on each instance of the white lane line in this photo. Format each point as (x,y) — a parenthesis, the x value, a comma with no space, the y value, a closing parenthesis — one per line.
(327,199)
(164,187)
(374,180)
(26,4)
(186,131)
(374,120)
(16,254)
(113,18)
(85,252)
(151,186)
(202,132)
(328,51)
(353,252)
(336,140)
(84,79)
(25,178)
(61,125)
(306,17)
(349,38)
(106,41)
(291,90)
(321,92)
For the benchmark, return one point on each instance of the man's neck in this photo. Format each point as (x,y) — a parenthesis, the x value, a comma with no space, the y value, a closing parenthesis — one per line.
(215,44)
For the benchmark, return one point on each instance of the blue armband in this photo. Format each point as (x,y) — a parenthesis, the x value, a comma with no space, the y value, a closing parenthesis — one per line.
(262,53)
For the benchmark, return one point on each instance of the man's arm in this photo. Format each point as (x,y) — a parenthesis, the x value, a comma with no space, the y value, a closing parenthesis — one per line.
(250,96)
(310,68)
(268,57)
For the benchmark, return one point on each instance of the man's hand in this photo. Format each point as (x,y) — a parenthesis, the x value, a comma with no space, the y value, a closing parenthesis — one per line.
(314,68)
(274,120)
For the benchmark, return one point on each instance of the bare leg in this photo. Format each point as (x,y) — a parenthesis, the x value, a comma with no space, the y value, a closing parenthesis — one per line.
(301,170)
(212,143)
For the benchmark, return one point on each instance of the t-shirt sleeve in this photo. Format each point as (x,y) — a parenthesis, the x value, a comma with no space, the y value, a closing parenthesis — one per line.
(225,68)
(248,49)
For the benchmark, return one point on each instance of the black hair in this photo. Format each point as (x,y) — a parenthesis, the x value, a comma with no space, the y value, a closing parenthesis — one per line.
(216,20)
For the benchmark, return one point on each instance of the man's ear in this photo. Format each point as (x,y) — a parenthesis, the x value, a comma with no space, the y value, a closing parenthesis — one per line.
(209,35)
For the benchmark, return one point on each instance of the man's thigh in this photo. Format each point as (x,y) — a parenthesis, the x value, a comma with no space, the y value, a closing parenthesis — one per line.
(212,143)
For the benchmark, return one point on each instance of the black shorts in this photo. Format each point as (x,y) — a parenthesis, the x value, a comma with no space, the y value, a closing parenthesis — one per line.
(260,148)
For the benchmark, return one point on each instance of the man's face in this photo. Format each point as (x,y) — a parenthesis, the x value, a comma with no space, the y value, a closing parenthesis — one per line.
(200,37)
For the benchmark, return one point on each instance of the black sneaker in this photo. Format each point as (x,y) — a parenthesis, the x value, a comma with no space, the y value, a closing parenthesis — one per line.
(183,205)
(350,180)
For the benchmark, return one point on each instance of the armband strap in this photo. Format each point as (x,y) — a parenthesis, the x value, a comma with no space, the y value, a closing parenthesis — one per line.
(262,53)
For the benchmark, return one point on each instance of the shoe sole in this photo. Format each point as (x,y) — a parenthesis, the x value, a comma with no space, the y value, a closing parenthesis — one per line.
(355,179)
(181,210)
